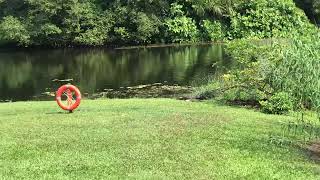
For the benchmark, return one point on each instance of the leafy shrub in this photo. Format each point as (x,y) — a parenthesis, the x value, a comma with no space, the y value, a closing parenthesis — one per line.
(133,27)
(213,30)
(92,25)
(244,87)
(261,69)
(147,27)
(121,33)
(50,29)
(12,29)
(91,37)
(266,19)
(279,103)
(180,28)
(248,80)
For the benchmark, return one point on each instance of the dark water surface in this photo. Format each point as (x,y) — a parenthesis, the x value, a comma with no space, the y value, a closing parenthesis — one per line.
(29,73)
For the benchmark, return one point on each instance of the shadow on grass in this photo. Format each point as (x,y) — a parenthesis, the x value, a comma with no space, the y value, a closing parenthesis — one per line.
(52,113)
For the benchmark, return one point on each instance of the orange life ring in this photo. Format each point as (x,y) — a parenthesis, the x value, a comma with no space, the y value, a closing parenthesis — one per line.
(68,97)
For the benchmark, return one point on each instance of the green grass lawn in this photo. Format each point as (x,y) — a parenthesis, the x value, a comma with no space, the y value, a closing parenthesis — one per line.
(145,139)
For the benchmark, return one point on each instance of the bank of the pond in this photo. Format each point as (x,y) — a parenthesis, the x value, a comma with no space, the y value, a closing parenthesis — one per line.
(141,139)
(155,90)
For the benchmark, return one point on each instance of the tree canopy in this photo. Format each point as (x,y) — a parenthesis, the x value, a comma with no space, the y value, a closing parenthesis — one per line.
(123,22)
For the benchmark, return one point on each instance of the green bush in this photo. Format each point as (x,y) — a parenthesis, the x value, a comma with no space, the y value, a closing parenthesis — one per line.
(147,27)
(266,19)
(91,37)
(262,68)
(131,27)
(180,28)
(213,30)
(248,80)
(279,103)
(91,26)
(12,29)
(243,96)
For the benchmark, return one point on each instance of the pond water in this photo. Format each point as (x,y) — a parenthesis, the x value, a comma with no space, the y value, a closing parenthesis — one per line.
(26,74)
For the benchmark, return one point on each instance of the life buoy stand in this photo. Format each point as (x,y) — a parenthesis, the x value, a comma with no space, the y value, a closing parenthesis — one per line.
(68,97)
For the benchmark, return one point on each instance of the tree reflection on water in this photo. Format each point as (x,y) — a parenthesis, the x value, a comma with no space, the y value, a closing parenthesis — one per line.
(24,74)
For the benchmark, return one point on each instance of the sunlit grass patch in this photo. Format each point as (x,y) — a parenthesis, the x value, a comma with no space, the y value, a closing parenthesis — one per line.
(146,139)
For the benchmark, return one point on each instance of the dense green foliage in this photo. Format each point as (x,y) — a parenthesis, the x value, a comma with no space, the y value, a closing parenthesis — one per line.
(279,75)
(279,103)
(298,72)
(99,22)
(247,81)
(266,18)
